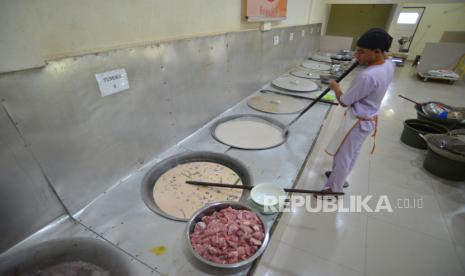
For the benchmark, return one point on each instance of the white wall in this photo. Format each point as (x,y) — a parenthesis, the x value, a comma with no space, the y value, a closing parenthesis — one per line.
(439,16)
(32,32)
(436,19)
(19,43)
(319,13)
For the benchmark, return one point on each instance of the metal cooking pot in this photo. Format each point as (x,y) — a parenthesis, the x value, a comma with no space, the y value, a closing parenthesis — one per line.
(324,57)
(446,155)
(449,123)
(442,111)
(459,133)
(431,111)
(449,146)
(88,255)
(159,169)
(341,57)
(212,267)
(444,167)
(273,122)
(413,128)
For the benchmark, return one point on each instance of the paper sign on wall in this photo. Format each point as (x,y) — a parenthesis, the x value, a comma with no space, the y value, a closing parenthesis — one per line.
(112,82)
(266,10)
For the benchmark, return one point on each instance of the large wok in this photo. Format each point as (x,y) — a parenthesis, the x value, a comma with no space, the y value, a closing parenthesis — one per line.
(431,111)
(446,155)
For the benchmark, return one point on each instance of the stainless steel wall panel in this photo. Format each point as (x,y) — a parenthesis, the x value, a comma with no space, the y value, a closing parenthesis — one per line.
(85,142)
(244,63)
(311,37)
(290,47)
(202,140)
(316,36)
(304,46)
(27,203)
(194,75)
(273,60)
(307,46)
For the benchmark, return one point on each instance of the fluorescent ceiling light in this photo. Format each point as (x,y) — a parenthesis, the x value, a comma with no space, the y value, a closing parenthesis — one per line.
(408,18)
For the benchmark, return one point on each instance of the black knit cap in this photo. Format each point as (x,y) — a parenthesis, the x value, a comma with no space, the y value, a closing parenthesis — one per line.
(375,39)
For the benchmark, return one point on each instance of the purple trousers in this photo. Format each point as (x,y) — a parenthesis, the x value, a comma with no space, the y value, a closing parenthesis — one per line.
(345,158)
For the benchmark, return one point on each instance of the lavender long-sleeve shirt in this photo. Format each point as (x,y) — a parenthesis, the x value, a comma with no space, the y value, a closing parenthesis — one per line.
(367,91)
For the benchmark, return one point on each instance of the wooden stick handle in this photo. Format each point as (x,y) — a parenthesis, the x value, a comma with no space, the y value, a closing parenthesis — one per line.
(302,191)
(352,67)
(410,100)
(222,185)
(297,96)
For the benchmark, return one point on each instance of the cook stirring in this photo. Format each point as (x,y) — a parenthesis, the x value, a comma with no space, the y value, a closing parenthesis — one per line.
(363,100)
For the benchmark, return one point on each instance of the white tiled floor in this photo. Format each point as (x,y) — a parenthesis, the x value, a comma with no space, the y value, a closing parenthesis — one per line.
(420,241)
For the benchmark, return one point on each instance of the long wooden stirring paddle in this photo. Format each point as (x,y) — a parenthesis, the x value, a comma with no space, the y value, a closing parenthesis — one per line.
(296,96)
(352,67)
(410,100)
(243,187)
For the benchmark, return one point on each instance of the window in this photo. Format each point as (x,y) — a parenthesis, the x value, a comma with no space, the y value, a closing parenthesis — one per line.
(407,18)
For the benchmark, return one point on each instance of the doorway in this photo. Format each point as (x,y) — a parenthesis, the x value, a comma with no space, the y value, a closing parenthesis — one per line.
(404,27)
(353,20)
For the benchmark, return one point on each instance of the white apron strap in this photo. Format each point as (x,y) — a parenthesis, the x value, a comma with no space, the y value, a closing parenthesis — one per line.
(348,123)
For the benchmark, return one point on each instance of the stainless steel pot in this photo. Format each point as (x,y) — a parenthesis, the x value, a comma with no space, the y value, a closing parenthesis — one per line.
(275,123)
(212,267)
(90,255)
(159,169)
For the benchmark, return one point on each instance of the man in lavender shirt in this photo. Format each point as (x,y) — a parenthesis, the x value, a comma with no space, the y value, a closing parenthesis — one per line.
(363,100)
